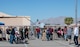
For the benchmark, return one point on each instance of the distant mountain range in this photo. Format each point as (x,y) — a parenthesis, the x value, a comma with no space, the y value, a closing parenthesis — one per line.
(56,21)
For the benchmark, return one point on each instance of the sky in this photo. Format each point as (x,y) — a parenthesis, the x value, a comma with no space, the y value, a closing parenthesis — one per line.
(39,9)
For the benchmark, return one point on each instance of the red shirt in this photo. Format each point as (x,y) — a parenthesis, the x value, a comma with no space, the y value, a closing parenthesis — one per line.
(51,30)
(37,30)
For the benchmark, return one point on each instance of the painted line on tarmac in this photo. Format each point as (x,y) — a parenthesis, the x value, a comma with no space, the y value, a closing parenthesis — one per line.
(26,45)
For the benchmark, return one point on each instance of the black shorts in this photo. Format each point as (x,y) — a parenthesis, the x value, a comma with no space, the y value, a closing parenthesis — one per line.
(69,36)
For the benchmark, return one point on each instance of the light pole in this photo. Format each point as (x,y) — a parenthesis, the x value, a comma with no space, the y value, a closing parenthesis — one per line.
(76,3)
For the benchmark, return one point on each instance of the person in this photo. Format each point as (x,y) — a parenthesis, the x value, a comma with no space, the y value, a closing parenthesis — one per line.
(55,33)
(17,37)
(21,33)
(44,35)
(12,35)
(62,33)
(48,34)
(79,37)
(65,33)
(26,33)
(0,33)
(59,32)
(8,31)
(76,31)
(69,34)
(51,33)
(38,32)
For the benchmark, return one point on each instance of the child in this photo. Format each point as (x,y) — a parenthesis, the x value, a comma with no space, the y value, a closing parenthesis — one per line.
(43,36)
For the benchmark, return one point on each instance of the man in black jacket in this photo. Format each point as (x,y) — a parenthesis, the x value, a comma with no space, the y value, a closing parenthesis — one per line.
(26,33)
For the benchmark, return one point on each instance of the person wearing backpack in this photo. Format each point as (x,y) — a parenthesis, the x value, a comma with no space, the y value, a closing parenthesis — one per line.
(12,35)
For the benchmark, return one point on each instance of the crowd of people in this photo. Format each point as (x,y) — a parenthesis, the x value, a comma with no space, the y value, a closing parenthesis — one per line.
(15,35)
(51,33)
(47,33)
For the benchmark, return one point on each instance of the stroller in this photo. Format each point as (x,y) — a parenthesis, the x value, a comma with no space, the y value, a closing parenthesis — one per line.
(18,39)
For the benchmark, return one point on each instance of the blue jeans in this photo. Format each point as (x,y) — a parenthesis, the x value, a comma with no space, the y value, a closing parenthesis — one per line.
(48,37)
(65,36)
(38,34)
(12,38)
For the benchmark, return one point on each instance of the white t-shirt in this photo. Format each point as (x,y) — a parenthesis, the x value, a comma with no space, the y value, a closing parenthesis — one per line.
(76,31)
